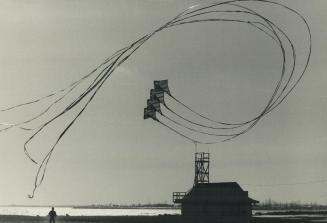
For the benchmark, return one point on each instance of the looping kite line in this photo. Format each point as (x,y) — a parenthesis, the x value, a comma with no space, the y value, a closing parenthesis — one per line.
(285,85)
(216,12)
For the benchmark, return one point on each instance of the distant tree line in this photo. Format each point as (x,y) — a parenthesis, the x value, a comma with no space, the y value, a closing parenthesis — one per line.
(293,205)
(127,206)
(267,204)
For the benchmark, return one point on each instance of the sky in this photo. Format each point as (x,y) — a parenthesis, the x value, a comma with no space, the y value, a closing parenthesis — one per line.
(112,155)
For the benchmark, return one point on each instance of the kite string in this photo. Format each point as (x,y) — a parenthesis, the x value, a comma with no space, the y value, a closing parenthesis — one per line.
(272,103)
(276,89)
(119,57)
(288,40)
(195,130)
(139,44)
(99,85)
(109,69)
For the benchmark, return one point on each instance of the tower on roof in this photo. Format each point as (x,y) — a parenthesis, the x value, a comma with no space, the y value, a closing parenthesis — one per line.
(202,161)
(205,202)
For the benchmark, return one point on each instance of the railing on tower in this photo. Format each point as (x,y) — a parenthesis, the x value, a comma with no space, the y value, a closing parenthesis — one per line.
(178,196)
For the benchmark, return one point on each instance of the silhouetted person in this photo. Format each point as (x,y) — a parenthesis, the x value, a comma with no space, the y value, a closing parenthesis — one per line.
(52,215)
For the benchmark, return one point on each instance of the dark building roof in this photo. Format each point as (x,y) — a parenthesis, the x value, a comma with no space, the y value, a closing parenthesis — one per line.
(217,193)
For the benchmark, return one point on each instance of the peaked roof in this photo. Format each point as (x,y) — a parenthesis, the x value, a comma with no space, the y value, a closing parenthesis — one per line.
(218,193)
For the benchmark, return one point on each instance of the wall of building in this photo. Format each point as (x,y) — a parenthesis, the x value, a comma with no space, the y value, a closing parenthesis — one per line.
(217,213)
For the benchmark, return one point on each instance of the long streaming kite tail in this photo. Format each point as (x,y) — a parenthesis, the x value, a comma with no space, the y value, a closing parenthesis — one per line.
(198,124)
(284,86)
(195,130)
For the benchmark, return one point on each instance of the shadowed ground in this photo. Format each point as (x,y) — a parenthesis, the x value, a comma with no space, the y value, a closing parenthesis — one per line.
(143,219)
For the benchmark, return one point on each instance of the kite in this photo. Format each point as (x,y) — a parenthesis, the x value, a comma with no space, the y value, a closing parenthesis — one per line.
(232,11)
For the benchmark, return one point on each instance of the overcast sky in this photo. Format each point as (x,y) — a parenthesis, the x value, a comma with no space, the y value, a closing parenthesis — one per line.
(112,155)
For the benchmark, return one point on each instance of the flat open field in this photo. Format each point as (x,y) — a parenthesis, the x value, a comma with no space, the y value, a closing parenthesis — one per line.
(144,219)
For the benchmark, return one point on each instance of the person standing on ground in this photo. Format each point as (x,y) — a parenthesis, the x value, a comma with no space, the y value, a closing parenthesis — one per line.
(52,215)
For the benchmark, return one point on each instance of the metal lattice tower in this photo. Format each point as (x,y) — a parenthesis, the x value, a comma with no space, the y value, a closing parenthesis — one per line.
(201,168)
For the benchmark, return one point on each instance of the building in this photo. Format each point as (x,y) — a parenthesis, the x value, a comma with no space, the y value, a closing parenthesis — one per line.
(224,202)
(216,202)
